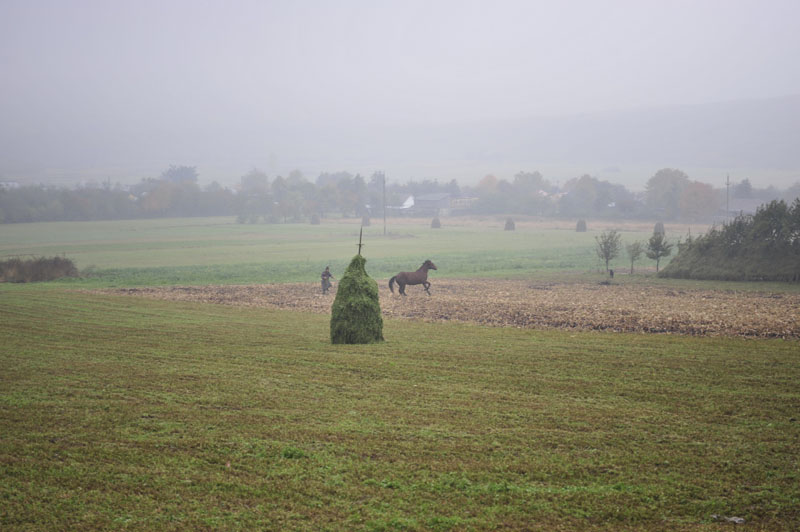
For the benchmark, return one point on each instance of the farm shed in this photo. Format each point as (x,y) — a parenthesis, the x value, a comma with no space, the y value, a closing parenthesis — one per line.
(433,204)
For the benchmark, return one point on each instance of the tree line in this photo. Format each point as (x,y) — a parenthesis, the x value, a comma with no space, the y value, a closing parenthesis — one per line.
(609,246)
(760,247)
(669,195)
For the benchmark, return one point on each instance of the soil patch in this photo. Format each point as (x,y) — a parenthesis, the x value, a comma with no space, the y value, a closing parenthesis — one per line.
(519,303)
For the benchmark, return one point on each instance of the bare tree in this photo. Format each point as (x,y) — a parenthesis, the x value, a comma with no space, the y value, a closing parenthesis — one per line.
(608,245)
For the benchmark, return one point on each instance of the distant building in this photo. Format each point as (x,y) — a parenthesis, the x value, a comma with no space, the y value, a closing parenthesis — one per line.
(8,185)
(744,206)
(406,208)
(738,207)
(436,204)
(463,203)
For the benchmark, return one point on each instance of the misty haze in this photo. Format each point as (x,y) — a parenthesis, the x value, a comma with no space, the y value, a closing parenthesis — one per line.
(422,265)
(439,91)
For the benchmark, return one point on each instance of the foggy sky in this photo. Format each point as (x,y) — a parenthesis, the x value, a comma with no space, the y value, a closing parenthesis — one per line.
(125,89)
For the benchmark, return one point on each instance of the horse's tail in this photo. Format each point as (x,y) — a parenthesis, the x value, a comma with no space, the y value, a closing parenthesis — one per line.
(391,283)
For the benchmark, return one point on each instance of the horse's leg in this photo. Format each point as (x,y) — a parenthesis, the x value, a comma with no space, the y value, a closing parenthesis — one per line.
(427,285)
(402,287)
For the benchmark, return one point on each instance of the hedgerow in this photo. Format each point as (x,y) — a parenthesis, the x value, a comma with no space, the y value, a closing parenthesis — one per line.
(760,247)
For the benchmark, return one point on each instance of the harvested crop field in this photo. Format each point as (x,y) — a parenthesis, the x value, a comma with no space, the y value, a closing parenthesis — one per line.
(526,304)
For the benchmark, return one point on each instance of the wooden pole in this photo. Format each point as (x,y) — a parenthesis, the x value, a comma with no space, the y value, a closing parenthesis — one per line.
(384,203)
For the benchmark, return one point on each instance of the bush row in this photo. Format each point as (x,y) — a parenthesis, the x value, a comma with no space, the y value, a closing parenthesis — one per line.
(761,247)
(17,270)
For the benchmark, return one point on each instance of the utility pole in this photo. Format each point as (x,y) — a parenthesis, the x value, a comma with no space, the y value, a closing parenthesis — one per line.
(383,174)
(727,196)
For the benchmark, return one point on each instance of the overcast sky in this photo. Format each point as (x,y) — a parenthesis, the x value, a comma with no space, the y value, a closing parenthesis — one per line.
(113,83)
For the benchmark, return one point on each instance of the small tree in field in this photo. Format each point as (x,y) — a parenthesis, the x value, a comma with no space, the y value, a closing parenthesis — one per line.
(436,223)
(635,251)
(608,245)
(510,225)
(658,247)
(580,227)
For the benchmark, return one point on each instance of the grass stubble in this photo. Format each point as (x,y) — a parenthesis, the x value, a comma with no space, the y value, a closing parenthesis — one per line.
(138,414)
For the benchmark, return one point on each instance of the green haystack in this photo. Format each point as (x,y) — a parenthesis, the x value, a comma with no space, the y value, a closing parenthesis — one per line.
(356,312)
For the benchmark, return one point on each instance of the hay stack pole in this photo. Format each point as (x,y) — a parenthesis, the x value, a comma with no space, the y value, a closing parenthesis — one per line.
(356,312)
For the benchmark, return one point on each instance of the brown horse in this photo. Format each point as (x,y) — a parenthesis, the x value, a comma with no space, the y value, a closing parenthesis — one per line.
(418,277)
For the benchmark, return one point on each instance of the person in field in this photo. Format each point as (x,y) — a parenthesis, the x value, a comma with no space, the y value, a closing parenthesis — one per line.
(326,279)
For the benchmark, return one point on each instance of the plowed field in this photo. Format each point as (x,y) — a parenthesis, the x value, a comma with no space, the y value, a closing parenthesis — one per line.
(517,303)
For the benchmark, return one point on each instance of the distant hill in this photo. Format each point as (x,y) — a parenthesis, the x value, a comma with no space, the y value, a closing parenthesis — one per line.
(750,134)
(754,134)
(747,135)
(739,136)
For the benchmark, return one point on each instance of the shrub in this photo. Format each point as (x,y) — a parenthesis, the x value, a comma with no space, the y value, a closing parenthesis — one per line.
(356,312)
(510,226)
(315,219)
(365,221)
(581,226)
(658,229)
(436,223)
(38,269)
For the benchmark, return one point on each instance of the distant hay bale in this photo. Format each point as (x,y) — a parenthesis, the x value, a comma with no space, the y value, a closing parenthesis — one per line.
(356,312)
(436,223)
(510,225)
(581,226)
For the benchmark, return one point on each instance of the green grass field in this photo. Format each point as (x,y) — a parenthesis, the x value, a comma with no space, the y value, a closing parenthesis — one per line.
(137,414)
(217,250)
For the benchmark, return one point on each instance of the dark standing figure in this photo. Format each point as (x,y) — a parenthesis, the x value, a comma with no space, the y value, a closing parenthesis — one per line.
(326,279)
(611,273)
(418,277)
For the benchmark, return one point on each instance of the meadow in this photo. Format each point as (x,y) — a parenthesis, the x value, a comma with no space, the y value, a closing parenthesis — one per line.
(218,250)
(143,414)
